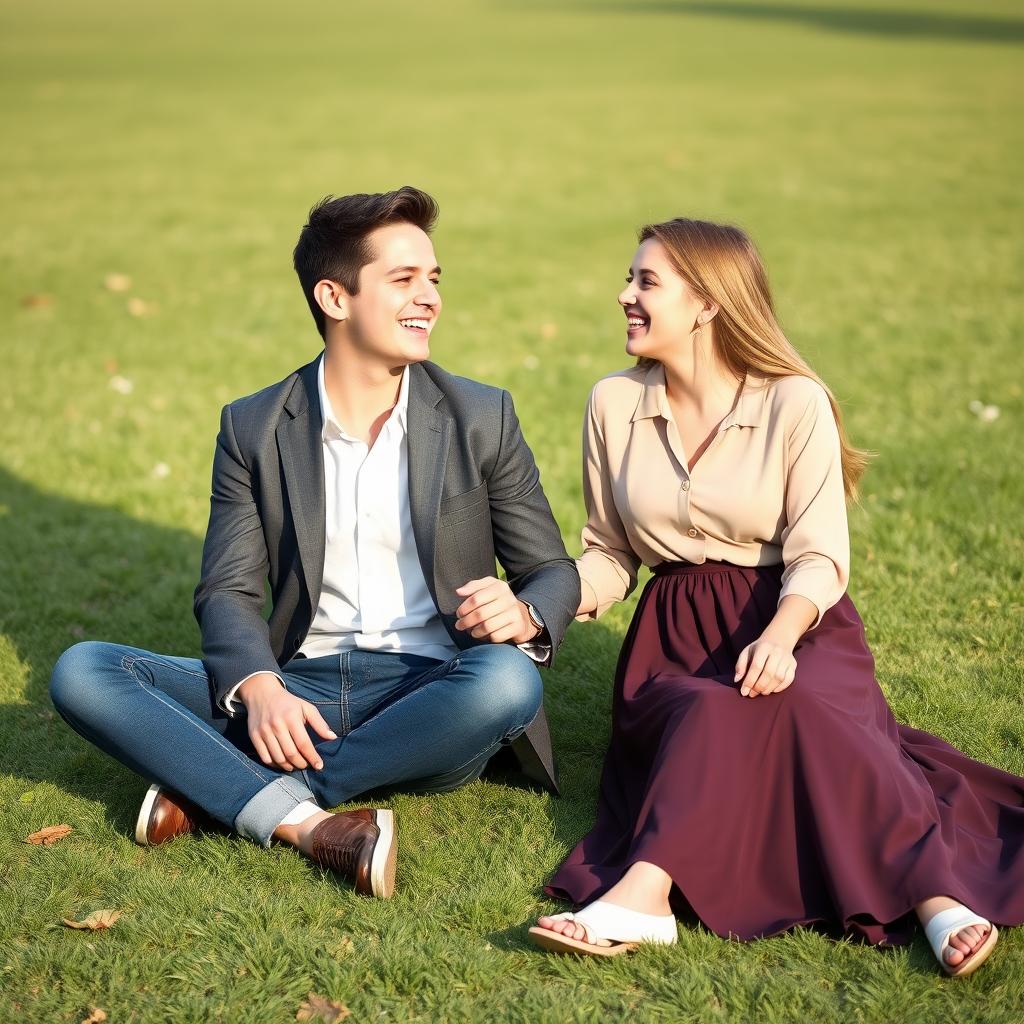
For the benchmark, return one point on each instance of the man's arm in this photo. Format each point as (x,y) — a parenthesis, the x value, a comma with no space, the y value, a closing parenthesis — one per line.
(527,540)
(229,607)
(228,602)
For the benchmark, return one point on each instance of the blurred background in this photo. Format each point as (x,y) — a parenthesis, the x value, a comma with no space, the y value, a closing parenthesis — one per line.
(157,164)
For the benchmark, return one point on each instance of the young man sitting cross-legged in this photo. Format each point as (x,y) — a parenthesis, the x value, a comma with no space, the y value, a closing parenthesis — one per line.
(373,491)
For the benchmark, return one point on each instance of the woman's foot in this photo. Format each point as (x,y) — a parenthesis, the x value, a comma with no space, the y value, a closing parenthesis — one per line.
(643,888)
(965,942)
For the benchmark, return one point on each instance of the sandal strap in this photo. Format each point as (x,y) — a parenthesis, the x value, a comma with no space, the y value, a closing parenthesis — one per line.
(945,923)
(619,924)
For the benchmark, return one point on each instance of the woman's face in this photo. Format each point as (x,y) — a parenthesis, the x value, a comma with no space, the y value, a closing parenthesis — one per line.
(661,308)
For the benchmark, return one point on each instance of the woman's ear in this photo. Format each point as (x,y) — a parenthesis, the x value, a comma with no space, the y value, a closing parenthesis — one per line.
(707,314)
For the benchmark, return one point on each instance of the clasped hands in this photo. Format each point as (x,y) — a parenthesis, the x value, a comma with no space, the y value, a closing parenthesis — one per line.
(278,720)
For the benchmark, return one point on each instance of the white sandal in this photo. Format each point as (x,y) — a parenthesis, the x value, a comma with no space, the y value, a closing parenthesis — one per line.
(944,925)
(625,929)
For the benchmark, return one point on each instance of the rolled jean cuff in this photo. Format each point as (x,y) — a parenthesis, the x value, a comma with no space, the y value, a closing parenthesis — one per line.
(269,807)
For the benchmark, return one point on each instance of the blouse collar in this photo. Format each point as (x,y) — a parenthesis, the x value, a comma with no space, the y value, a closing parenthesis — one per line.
(748,412)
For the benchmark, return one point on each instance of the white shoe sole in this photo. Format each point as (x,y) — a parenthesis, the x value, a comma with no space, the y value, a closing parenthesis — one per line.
(385,856)
(142,824)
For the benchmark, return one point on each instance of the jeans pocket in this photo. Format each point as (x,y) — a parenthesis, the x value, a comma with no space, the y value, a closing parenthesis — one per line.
(438,671)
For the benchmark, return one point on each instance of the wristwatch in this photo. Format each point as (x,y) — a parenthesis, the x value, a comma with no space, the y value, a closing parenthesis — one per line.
(535,619)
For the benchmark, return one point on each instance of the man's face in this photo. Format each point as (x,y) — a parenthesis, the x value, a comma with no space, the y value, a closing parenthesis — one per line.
(398,303)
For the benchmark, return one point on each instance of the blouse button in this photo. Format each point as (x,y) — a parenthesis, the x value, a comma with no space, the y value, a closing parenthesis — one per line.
(685,485)
(691,532)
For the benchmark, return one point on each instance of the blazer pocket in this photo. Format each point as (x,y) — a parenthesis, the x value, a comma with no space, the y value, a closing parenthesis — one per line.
(469,502)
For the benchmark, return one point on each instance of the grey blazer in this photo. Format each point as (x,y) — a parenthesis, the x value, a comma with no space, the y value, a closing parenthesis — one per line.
(474,491)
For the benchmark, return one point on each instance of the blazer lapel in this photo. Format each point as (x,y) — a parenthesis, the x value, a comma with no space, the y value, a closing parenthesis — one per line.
(300,445)
(429,431)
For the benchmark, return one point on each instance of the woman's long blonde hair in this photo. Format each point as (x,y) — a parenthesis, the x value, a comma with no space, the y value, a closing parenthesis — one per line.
(721,264)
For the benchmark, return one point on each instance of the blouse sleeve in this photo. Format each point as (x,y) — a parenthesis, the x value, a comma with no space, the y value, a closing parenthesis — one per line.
(608,565)
(816,540)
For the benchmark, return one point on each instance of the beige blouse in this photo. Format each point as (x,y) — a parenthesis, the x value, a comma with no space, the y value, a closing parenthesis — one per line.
(768,488)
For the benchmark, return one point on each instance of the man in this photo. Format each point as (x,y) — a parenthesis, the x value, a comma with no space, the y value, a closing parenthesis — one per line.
(372,490)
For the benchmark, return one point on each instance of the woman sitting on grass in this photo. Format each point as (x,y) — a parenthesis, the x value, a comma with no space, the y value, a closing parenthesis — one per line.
(756,775)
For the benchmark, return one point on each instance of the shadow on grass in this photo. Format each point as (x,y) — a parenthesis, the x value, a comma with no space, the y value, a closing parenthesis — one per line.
(74,571)
(905,24)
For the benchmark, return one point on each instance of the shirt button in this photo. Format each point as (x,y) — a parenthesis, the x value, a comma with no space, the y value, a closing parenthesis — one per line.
(685,485)
(691,532)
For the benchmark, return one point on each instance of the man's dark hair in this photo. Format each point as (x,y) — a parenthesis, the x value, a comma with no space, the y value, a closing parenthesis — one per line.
(333,245)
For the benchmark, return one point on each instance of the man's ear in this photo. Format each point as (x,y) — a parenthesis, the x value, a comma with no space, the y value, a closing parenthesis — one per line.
(332,298)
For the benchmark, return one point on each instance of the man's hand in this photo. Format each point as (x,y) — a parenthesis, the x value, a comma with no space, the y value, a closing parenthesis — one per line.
(492,612)
(277,724)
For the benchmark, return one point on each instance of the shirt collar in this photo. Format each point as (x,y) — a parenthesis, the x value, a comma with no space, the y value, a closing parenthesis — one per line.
(332,428)
(749,410)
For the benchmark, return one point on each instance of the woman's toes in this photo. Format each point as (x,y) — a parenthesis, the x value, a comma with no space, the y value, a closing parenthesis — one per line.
(953,956)
(553,924)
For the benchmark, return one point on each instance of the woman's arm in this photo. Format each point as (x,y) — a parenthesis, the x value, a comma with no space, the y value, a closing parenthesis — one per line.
(608,566)
(815,543)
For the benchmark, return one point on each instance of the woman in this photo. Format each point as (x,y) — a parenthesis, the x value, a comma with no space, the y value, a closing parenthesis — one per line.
(755,774)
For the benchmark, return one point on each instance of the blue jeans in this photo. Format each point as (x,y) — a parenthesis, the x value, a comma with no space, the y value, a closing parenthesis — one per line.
(401,720)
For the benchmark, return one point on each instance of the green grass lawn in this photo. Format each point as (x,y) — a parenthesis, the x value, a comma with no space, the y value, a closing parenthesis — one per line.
(872,152)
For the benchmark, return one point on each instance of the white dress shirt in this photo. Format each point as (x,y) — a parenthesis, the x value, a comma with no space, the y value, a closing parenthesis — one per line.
(374,596)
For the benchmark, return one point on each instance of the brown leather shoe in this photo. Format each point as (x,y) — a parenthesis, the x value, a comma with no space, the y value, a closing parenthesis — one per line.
(165,815)
(360,845)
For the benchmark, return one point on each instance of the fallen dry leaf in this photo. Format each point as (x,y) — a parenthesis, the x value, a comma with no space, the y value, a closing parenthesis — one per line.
(95,921)
(49,835)
(117,282)
(317,1008)
(96,1017)
(37,301)
(138,307)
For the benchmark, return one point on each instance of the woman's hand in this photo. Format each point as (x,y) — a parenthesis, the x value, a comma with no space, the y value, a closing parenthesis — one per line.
(765,666)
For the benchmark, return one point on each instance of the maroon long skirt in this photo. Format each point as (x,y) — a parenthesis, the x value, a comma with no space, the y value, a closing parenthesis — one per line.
(808,806)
